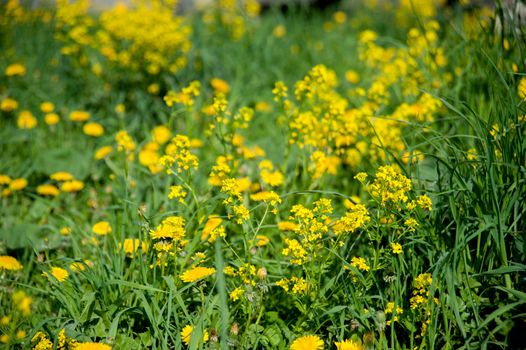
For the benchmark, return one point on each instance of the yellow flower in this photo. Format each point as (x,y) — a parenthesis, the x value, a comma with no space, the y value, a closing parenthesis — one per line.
(79,116)
(262,240)
(48,190)
(65,231)
(236,294)
(15,69)
(93,129)
(349,345)
(17,184)
(397,248)
(59,273)
(161,134)
(4,338)
(131,246)
(26,120)
(5,180)
(103,152)
(9,263)
(8,104)
(287,226)
(219,85)
(360,263)
(23,302)
(20,334)
(47,107)
(101,228)
(307,342)
(197,273)
(521,89)
(212,224)
(51,118)
(72,186)
(92,346)
(61,176)
(186,334)
(279,31)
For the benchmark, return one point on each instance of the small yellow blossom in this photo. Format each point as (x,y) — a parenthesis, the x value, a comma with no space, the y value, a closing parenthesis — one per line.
(307,342)
(15,69)
(101,228)
(57,272)
(79,116)
(93,129)
(18,184)
(26,120)
(9,263)
(51,118)
(197,273)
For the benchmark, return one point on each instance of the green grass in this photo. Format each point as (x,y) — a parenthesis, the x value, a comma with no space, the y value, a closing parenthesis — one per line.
(472,243)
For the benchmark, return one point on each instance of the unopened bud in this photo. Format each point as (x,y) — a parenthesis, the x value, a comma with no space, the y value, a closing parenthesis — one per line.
(262,273)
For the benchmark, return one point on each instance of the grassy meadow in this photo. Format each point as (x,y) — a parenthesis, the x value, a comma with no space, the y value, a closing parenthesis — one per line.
(350,178)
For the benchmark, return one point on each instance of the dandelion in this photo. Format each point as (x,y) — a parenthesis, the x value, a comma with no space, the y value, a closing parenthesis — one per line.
(161,134)
(307,342)
(349,344)
(22,302)
(65,231)
(101,228)
(48,190)
(18,184)
(47,107)
(79,116)
(212,228)
(197,273)
(124,141)
(61,176)
(186,334)
(51,118)
(219,85)
(521,88)
(26,120)
(93,129)
(9,263)
(131,246)
(103,152)
(287,226)
(72,186)
(279,31)
(58,273)
(92,346)
(8,105)
(15,69)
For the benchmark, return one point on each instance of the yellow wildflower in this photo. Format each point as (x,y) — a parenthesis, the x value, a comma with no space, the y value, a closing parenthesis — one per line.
(197,273)
(307,342)
(101,228)
(9,263)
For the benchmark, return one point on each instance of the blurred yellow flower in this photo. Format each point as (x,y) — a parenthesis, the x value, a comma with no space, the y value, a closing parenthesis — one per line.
(61,176)
(101,228)
(103,152)
(161,134)
(15,69)
(397,248)
(48,190)
(65,231)
(26,120)
(220,85)
(279,31)
(93,129)
(47,107)
(72,186)
(79,116)
(9,263)
(17,184)
(51,118)
(8,104)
